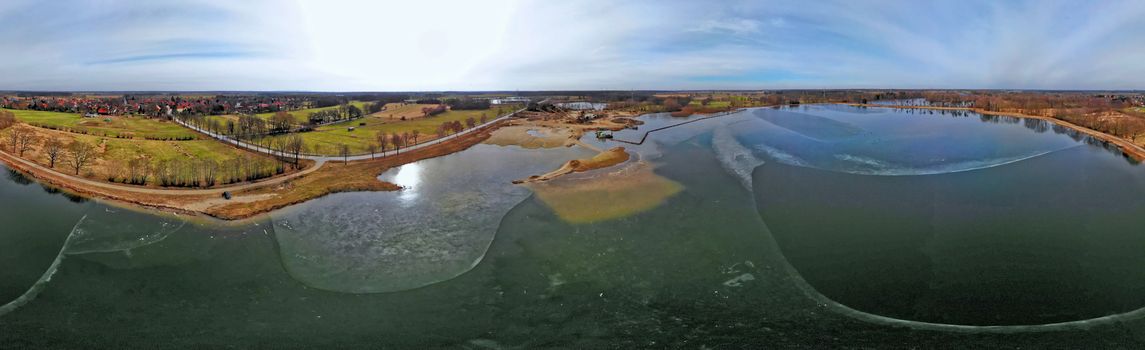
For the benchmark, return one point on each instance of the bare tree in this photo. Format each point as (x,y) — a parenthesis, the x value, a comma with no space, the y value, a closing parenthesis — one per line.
(344,152)
(372,148)
(294,145)
(414,135)
(7,119)
(383,142)
(281,121)
(80,155)
(396,138)
(54,149)
(14,137)
(137,171)
(24,142)
(209,170)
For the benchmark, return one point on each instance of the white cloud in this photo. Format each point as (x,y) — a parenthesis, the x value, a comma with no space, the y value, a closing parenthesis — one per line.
(589,44)
(738,26)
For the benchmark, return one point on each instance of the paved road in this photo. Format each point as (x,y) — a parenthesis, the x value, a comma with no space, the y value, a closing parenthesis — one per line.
(323,158)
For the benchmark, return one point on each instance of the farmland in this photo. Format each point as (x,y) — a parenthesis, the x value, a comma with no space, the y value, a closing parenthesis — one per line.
(126,127)
(325,140)
(302,115)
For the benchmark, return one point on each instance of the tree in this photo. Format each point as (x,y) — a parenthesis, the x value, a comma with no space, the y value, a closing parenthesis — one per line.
(137,171)
(372,148)
(208,170)
(396,138)
(344,152)
(414,134)
(383,142)
(54,149)
(470,122)
(80,154)
(14,138)
(24,141)
(293,145)
(281,121)
(7,119)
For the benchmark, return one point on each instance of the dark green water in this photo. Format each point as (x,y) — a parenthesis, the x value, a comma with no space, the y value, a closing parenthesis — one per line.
(946,219)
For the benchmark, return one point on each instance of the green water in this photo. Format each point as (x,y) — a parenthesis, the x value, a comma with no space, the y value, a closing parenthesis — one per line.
(790,232)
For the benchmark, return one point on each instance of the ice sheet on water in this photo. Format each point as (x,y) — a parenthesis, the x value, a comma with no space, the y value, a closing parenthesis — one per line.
(733,156)
(437,228)
(116,230)
(809,125)
(870,166)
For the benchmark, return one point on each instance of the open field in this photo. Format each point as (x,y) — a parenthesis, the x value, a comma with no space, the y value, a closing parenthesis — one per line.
(107,126)
(395,111)
(111,155)
(712,104)
(325,140)
(303,115)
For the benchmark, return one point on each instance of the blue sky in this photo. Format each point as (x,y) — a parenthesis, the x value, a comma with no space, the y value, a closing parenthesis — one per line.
(343,45)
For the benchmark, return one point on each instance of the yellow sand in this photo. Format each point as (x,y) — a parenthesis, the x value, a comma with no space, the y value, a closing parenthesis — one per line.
(602,160)
(546,137)
(630,191)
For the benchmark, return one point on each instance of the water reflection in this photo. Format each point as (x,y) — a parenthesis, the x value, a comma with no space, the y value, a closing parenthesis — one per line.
(18,177)
(408,177)
(437,228)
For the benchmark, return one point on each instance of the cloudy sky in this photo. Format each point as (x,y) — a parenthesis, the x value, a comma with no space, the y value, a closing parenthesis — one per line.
(345,45)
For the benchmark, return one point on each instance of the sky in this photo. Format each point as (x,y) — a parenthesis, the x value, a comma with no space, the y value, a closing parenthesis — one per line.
(437,45)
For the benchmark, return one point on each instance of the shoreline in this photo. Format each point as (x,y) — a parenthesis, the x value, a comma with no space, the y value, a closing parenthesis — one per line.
(1128,148)
(267,195)
(207,203)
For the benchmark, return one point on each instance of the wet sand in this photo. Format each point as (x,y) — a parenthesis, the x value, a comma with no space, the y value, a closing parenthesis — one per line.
(625,192)
(603,160)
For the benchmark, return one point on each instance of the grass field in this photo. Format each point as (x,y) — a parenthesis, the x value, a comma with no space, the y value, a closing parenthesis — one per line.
(303,115)
(109,126)
(112,154)
(328,138)
(713,104)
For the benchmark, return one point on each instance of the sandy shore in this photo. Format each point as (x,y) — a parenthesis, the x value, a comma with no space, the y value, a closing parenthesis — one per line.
(602,160)
(624,192)
(532,137)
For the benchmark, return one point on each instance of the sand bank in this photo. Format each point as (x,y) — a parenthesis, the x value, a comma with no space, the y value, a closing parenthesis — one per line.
(625,192)
(602,160)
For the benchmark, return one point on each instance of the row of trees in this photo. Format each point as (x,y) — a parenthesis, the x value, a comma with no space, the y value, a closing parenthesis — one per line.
(432,111)
(343,112)
(1106,113)
(466,103)
(177,172)
(195,172)
(384,142)
(374,107)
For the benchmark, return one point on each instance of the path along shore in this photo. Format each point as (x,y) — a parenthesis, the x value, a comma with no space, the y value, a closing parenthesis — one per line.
(202,201)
